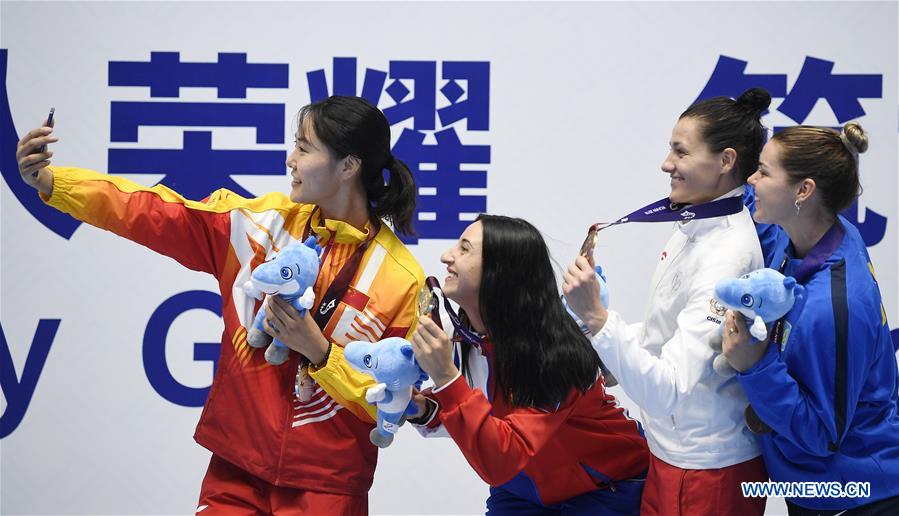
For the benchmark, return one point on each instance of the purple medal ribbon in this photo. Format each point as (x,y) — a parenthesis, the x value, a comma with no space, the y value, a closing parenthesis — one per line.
(664,210)
(466,335)
(462,332)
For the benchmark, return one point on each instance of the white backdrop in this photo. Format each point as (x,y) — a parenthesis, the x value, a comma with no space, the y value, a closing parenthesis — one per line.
(582,99)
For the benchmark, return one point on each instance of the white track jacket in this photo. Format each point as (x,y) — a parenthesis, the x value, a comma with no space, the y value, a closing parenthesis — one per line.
(693,417)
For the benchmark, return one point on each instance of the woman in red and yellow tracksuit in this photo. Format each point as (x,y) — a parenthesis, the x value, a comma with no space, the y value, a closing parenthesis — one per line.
(273,451)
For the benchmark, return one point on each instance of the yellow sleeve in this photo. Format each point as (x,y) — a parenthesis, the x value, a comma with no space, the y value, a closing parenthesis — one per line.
(346,385)
(195,233)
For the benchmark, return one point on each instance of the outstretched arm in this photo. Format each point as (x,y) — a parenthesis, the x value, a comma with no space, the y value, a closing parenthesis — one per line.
(196,234)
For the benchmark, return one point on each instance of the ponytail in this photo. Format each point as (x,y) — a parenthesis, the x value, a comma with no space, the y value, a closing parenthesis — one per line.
(395,200)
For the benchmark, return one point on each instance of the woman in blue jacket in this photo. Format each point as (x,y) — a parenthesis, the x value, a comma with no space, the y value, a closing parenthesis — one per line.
(823,391)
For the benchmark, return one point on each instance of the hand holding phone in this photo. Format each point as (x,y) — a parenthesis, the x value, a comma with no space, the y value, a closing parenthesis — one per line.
(43,148)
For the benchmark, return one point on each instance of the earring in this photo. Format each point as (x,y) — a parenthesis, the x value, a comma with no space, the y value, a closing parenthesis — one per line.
(798,206)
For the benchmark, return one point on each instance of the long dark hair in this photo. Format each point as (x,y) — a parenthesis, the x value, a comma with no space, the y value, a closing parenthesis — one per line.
(736,124)
(350,126)
(540,355)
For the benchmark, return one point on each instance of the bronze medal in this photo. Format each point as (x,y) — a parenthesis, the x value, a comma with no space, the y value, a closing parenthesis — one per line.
(589,245)
(754,423)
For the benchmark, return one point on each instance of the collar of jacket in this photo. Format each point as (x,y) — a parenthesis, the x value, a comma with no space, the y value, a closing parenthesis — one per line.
(695,228)
(341,232)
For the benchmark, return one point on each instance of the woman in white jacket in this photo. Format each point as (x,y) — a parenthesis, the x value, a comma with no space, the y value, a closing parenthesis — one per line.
(701,448)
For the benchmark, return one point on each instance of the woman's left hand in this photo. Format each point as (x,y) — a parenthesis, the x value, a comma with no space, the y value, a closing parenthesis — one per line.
(738,348)
(434,351)
(581,290)
(297,332)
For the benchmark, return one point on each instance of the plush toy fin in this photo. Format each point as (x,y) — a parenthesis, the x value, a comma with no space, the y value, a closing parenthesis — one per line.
(307,300)
(252,291)
(376,393)
(758,329)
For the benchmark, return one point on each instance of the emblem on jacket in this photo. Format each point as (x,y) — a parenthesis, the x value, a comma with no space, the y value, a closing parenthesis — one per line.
(328,307)
(785,335)
(675,282)
(717,308)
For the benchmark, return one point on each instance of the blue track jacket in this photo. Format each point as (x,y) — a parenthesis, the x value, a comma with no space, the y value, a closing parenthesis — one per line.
(828,386)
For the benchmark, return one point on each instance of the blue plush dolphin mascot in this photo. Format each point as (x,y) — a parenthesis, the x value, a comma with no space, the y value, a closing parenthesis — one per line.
(392,364)
(290,274)
(762,296)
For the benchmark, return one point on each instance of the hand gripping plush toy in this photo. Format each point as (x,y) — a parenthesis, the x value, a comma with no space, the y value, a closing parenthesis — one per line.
(290,274)
(393,365)
(762,296)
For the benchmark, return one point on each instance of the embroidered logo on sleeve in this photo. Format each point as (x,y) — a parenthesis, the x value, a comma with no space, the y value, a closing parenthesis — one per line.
(717,309)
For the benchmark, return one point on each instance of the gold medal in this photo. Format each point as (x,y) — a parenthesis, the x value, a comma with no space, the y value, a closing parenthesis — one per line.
(427,301)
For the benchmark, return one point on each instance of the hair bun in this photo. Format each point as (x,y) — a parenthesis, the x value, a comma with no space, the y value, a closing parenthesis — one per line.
(755,99)
(855,137)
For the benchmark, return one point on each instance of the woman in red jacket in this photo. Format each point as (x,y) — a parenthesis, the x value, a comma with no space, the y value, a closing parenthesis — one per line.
(518,386)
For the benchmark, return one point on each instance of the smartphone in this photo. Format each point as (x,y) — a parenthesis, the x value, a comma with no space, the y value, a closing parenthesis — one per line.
(49,123)
(44,147)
